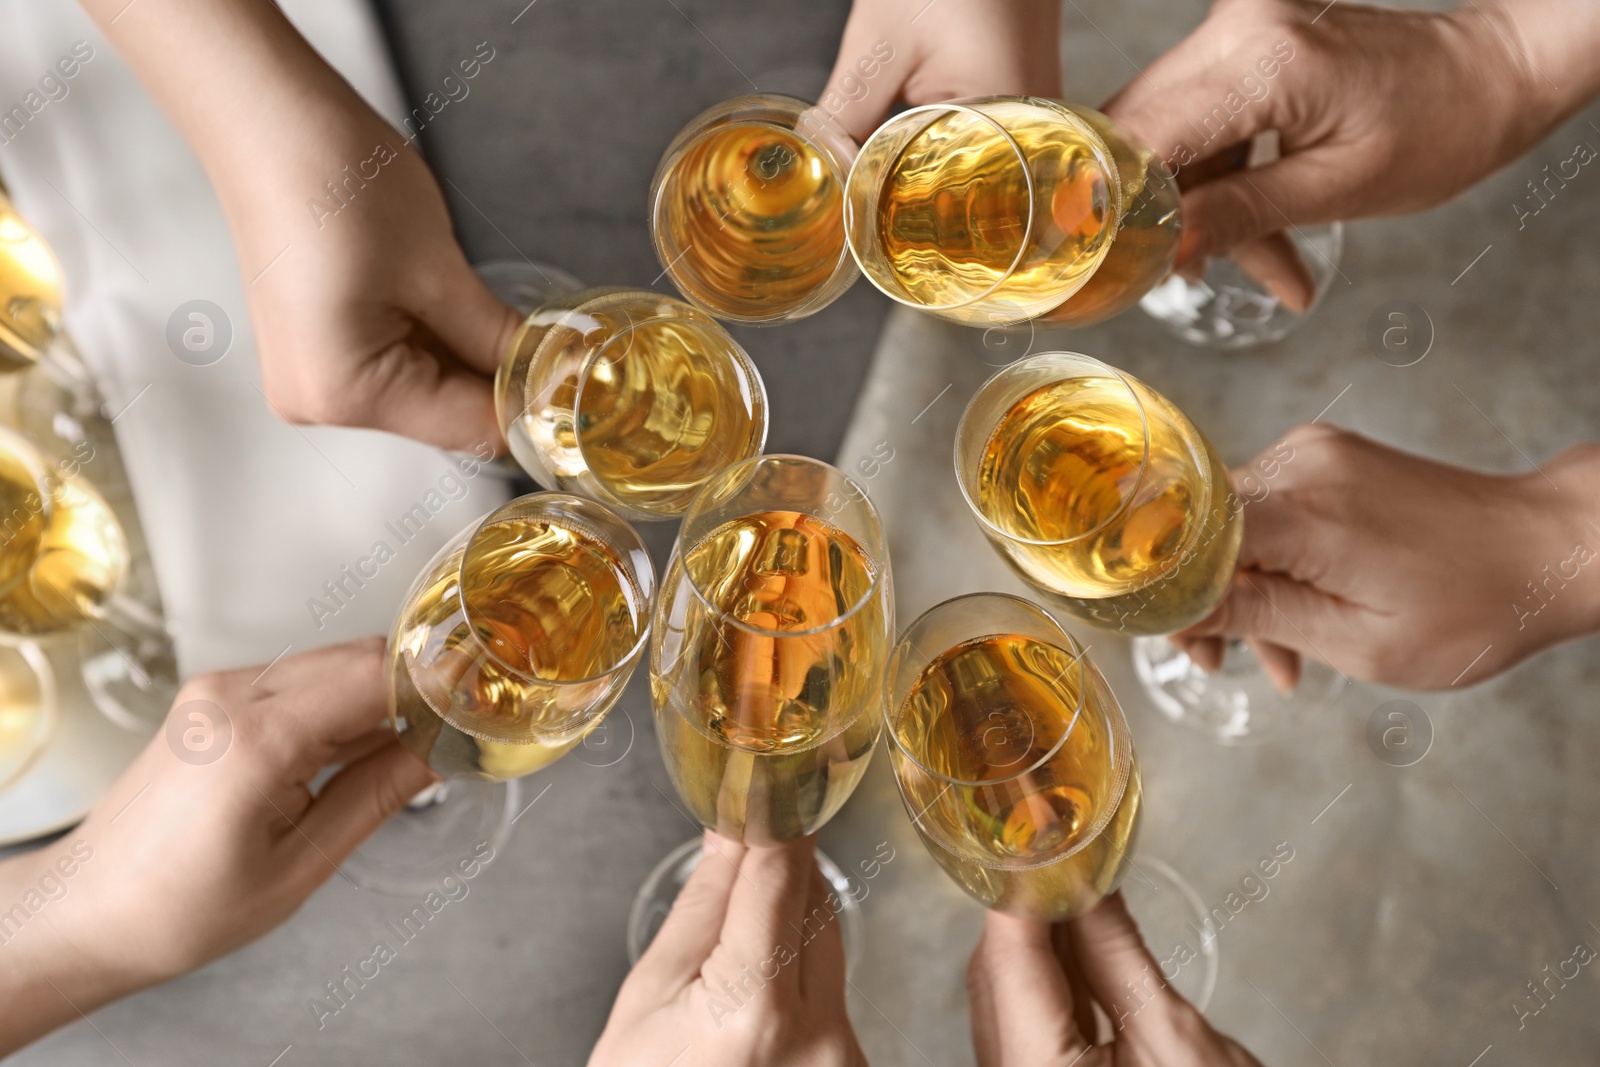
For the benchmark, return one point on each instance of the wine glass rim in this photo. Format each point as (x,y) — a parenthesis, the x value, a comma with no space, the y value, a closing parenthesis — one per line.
(878,558)
(967,106)
(1069,644)
(745,367)
(834,158)
(643,585)
(47,709)
(962,474)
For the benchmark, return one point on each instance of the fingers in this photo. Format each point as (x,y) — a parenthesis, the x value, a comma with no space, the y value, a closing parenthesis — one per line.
(358,799)
(1021,1003)
(330,696)
(1273,261)
(857,102)
(1274,608)
(1190,121)
(1221,215)
(1281,664)
(694,926)
(769,906)
(474,325)
(1126,979)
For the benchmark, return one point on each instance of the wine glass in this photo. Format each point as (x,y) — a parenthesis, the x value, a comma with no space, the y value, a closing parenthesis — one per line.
(64,561)
(747,209)
(27,708)
(512,645)
(767,657)
(1109,502)
(1018,769)
(630,397)
(995,210)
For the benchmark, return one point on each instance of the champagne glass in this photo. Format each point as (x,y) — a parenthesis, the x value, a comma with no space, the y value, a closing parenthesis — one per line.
(999,209)
(747,209)
(27,708)
(64,560)
(767,655)
(1108,501)
(630,397)
(512,645)
(1018,771)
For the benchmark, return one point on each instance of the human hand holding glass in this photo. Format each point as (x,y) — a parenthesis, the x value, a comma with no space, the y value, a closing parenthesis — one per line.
(1034,989)
(748,969)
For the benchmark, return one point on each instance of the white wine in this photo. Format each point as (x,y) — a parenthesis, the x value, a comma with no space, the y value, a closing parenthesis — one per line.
(1130,537)
(63,555)
(1029,805)
(525,603)
(30,291)
(954,207)
(766,671)
(1147,237)
(630,396)
(750,220)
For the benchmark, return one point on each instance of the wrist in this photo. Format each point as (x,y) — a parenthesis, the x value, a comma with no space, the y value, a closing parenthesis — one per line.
(1563,559)
(1537,57)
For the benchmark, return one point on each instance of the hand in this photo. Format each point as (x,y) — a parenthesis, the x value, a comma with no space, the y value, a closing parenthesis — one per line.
(1034,988)
(1378,112)
(1396,569)
(365,310)
(925,53)
(183,861)
(747,971)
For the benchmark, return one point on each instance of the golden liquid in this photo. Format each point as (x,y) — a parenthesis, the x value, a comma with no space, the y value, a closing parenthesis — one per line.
(474,649)
(954,209)
(1155,545)
(751,221)
(1148,233)
(30,291)
(62,555)
(24,718)
(767,700)
(1022,828)
(666,405)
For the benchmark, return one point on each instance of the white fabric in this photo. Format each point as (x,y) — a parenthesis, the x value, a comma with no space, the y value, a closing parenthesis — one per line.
(246,516)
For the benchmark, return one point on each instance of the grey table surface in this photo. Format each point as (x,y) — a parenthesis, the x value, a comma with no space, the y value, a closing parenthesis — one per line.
(1421,899)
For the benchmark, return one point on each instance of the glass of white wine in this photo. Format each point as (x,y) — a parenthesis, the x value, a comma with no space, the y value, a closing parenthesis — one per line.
(27,708)
(512,645)
(1109,502)
(767,654)
(63,563)
(996,210)
(1012,756)
(747,209)
(629,397)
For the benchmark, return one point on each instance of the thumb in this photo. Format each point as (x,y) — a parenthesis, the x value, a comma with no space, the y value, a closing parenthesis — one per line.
(1126,979)
(357,800)
(694,926)
(867,76)
(1021,1002)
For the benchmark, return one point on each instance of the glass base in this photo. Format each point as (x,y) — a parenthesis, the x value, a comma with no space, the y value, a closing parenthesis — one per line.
(662,886)
(1227,308)
(1173,920)
(443,826)
(523,285)
(131,673)
(1238,703)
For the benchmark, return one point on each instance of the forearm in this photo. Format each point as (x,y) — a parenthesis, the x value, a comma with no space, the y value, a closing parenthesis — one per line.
(1562,582)
(269,119)
(48,977)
